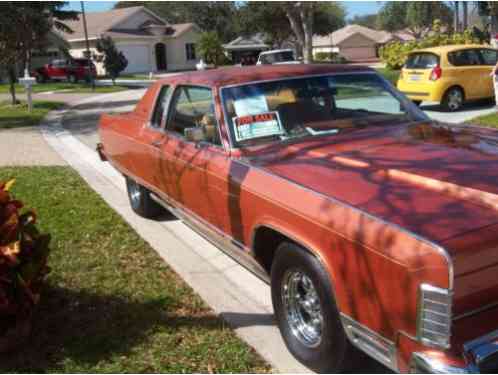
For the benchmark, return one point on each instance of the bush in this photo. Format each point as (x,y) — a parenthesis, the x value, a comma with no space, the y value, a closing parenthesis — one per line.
(394,54)
(211,49)
(23,262)
(330,57)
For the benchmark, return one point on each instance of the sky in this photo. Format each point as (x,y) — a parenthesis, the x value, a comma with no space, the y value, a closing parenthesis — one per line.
(353,7)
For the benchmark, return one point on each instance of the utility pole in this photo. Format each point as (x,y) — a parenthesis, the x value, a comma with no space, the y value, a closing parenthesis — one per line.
(88,55)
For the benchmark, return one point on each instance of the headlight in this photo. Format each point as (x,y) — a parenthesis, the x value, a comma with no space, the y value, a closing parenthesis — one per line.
(434,316)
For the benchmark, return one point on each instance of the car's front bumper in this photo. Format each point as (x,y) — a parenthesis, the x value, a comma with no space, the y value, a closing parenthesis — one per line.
(480,355)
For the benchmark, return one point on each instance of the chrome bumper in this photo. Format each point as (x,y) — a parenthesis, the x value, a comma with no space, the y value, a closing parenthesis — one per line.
(481,355)
(422,363)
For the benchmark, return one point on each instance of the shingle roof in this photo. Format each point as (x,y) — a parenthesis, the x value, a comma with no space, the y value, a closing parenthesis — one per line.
(102,24)
(376,36)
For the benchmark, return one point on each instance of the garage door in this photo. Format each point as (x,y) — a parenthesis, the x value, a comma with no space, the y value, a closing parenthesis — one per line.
(358,53)
(138,57)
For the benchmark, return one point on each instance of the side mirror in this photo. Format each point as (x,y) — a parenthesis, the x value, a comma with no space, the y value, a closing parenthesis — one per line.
(195,134)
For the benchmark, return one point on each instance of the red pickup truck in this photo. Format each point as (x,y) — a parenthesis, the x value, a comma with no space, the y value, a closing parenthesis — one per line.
(375,227)
(72,70)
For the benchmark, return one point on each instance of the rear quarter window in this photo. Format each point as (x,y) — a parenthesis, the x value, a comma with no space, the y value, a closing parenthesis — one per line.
(422,60)
(489,56)
(464,57)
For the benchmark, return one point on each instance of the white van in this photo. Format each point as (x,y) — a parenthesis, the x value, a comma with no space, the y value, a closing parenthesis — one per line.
(277,56)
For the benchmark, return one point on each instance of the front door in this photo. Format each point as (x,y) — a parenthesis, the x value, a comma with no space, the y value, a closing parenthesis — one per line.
(161,56)
(193,172)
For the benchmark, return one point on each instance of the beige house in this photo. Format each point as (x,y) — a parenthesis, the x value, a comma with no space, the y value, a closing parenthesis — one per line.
(148,42)
(355,42)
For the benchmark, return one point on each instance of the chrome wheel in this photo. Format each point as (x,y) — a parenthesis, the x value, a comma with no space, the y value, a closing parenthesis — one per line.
(302,307)
(455,99)
(134,191)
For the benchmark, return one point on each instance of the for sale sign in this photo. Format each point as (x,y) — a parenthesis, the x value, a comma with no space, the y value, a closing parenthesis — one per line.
(257,126)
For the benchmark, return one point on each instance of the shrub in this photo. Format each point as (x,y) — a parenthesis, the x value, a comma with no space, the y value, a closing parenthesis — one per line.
(394,54)
(330,57)
(23,262)
(114,60)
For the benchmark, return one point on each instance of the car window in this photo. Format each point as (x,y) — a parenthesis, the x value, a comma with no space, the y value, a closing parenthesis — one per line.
(160,108)
(464,57)
(292,108)
(422,60)
(489,56)
(276,57)
(193,107)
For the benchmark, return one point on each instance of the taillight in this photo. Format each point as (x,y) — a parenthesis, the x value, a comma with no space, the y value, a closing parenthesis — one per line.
(436,73)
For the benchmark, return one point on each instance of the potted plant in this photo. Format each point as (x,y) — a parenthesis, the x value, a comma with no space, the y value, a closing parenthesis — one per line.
(23,266)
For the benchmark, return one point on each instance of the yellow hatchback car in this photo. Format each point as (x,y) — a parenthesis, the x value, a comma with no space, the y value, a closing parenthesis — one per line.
(449,75)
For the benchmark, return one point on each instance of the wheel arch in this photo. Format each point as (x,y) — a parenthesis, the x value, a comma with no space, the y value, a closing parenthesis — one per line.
(458,86)
(275,234)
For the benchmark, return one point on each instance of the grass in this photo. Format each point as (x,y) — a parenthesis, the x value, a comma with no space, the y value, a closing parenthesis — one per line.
(16,116)
(62,86)
(389,74)
(111,305)
(490,121)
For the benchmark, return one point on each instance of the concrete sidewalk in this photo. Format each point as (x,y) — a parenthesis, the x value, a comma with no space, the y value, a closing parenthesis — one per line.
(238,296)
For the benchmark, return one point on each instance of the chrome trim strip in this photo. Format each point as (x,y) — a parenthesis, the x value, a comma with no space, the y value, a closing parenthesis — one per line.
(227,244)
(476,311)
(370,342)
(430,243)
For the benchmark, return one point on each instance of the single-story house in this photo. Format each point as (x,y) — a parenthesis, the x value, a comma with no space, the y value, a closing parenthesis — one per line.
(356,43)
(149,43)
(246,48)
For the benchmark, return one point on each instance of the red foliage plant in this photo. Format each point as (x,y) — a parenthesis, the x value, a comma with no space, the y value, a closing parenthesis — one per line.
(23,258)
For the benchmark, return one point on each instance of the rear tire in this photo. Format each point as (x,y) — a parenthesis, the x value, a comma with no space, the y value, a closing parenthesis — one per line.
(306,311)
(141,201)
(453,99)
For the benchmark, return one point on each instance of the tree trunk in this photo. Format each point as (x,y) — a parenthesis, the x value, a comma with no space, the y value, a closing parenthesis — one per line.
(12,81)
(307,22)
(296,27)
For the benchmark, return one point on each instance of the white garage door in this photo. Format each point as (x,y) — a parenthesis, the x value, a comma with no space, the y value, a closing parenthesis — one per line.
(137,56)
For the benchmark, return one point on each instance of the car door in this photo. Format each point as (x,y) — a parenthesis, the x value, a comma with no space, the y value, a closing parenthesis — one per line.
(194,173)
(489,58)
(57,70)
(150,139)
(468,72)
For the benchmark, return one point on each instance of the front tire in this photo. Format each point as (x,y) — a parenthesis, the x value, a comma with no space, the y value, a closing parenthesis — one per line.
(306,312)
(453,99)
(141,201)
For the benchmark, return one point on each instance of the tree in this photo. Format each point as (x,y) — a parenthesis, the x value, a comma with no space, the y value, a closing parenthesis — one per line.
(367,20)
(24,26)
(217,16)
(114,61)
(210,48)
(417,17)
(297,21)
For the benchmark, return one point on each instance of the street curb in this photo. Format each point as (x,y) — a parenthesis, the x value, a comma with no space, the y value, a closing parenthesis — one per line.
(243,300)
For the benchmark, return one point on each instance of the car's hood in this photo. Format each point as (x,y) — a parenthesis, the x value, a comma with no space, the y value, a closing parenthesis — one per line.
(437,181)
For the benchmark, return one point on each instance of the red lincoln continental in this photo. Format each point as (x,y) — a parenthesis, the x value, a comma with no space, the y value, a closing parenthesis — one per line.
(376,227)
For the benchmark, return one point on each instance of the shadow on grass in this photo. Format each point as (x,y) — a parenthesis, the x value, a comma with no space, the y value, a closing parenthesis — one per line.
(86,328)
(17,116)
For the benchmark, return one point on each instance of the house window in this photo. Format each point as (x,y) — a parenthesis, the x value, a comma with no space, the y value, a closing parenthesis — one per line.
(190,50)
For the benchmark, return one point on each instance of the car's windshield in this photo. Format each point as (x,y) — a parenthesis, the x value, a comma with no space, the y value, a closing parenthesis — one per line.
(312,106)
(276,57)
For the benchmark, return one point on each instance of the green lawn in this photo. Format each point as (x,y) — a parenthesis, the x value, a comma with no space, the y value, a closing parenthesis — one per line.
(62,86)
(15,116)
(111,304)
(389,74)
(490,121)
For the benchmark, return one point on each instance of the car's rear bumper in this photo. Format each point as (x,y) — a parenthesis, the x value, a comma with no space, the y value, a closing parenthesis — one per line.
(423,91)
